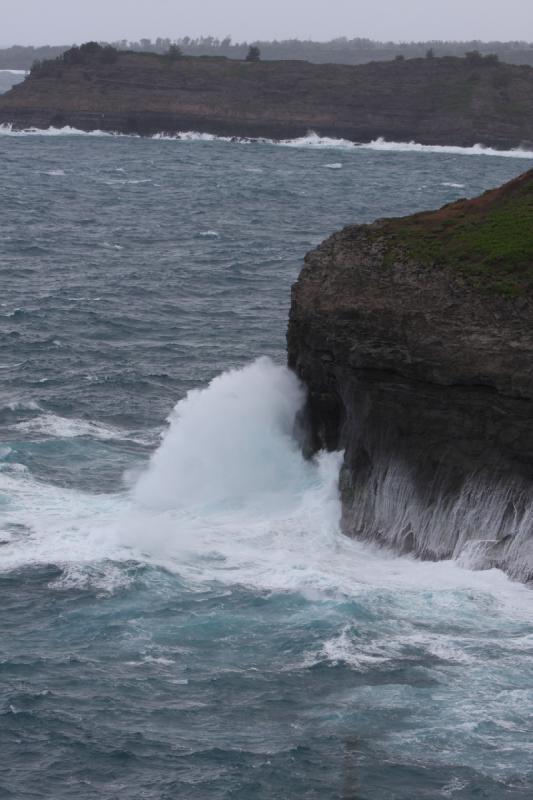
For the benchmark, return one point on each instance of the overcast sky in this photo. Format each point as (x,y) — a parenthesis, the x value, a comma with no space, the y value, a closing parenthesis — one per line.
(68,21)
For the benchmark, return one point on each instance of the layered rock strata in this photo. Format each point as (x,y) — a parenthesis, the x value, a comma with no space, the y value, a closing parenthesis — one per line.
(436,101)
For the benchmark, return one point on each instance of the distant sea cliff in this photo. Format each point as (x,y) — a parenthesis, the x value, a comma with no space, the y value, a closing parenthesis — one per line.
(435,101)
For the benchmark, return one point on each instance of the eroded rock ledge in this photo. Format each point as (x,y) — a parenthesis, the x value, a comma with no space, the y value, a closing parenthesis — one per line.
(415,339)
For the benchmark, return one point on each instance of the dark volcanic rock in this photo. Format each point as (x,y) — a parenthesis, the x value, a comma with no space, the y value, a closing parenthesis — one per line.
(415,339)
(434,101)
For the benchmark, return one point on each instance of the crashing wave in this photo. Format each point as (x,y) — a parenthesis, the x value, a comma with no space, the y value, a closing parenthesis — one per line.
(311,140)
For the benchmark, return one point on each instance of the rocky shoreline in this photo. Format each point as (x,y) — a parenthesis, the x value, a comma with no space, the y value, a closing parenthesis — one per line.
(434,101)
(416,346)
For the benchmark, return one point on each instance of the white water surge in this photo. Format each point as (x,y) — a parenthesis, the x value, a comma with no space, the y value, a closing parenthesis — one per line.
(311,140)
(228,497)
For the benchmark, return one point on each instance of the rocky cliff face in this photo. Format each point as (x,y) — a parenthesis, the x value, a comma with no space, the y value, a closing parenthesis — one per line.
(434,101)
(415,338)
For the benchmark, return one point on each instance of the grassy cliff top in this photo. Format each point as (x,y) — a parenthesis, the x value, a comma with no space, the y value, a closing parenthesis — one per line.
(489,240)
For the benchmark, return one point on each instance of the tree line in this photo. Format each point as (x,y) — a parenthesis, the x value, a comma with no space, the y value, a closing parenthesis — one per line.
(341,50)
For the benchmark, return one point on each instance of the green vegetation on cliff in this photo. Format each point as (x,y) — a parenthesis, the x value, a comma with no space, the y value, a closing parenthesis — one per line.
(336,51)
(488,240)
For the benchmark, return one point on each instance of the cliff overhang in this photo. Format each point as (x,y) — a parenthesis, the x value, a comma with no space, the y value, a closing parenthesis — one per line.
(415,339)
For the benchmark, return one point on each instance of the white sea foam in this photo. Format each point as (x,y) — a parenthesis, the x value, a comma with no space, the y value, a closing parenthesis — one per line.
(105,577)
(228,497)
(21,404)
(336,165)
(54,525)
(13,313)
(311,140)
(454,185)
(59,427)
(63,427)
(126,181)
(250,412)
(209,234)
(196,136)
(7,129)
(476,149)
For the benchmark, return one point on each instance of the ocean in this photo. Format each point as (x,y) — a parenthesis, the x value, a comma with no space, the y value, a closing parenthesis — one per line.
(181,617)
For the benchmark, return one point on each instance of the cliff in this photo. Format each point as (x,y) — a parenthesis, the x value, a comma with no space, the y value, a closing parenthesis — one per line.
(415,338)
(434,100)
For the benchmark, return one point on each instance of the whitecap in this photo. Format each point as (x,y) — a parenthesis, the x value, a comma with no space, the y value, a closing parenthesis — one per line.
(59,427)
(13,313)
(105,578)
(311,140)
(90,299)
(126,181)
(195,136)
(414,147)
(167,662)
(345,649)
(314,140)
(8,129)
(22,405)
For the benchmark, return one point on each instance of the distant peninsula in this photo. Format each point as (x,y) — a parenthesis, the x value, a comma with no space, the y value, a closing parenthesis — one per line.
(435,101)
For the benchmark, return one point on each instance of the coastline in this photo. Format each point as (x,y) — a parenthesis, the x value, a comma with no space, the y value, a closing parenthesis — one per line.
(440,102)
(311,140)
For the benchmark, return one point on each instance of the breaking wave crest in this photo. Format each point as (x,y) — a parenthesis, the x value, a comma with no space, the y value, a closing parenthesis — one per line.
(53,425)
(311,140)
(227,497)
(475,150)
(8,129)
(314,140)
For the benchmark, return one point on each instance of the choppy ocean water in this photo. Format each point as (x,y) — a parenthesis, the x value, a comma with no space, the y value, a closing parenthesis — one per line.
(181,617)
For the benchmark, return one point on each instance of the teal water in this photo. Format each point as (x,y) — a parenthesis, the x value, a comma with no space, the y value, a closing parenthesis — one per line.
(181,617)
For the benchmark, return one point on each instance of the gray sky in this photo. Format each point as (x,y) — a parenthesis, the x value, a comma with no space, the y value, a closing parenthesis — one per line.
(66,21)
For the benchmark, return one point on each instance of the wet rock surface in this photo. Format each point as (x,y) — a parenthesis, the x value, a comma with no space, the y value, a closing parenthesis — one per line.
(422,370)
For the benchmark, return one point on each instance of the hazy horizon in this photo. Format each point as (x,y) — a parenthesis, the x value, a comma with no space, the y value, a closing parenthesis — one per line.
(57,22)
